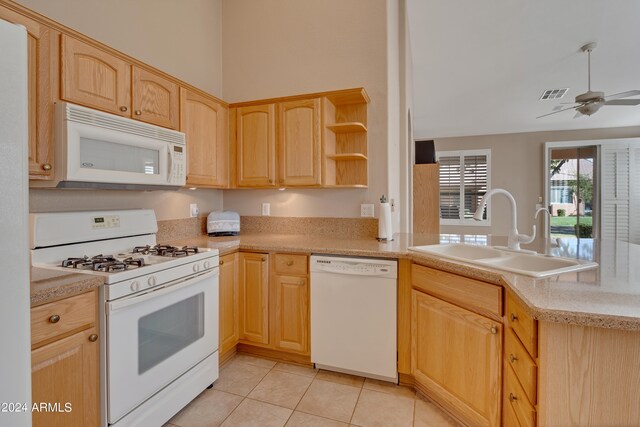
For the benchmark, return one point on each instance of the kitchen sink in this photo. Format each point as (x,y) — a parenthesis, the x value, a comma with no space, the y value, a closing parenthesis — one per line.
(534,265)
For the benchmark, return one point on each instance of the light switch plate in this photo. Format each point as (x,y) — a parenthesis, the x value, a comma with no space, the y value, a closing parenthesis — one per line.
(266,209)
(366,210)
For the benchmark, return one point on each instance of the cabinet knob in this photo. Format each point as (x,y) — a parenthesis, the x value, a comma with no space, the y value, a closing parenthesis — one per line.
(93,337)
(289,263)
(221,262)
(46,167)
(123,109)
(513,317)
(54,319)
(512,397)
(270,181)
(264,258)
(493,330)
(512,358)
(138,113)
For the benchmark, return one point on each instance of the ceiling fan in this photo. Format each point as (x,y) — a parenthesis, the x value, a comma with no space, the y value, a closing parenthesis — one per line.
(591,101)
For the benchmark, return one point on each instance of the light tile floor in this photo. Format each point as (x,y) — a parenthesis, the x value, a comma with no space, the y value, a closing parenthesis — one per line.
(258,392)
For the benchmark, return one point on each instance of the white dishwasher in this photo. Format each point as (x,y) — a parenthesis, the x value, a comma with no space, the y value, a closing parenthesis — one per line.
(353,315)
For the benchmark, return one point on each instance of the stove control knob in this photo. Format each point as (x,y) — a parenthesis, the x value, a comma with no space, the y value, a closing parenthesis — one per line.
(135,286)
(196,268)
(207,265)
(151,281)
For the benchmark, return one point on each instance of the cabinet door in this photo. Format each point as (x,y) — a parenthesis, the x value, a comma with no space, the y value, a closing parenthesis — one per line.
(66,371)
(156,100)
(229,302)
(299,141)
(94,78)
(205,123)
(455,358)
(39,39)
(255,146)
(253,276)
(292,313)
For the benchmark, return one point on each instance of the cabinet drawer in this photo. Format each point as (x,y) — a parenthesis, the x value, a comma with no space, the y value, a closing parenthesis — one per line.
(523,325)
(523,365)
(291,264)
(516,398)
(475,295)
(60,317)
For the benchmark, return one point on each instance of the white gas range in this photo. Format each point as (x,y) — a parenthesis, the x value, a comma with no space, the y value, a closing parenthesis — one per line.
(158,308)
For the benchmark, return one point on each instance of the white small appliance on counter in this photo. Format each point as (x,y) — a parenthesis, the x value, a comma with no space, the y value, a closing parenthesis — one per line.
(223,223)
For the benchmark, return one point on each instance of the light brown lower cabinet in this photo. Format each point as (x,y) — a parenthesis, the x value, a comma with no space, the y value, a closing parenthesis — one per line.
(253,275)
(64,367)
(229,315)
(291,313)
(456,359)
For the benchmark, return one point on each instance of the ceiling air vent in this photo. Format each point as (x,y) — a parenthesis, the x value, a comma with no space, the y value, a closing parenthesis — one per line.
(553,94)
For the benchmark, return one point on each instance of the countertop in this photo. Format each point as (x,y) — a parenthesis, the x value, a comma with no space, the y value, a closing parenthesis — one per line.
(48,285)
(607,296)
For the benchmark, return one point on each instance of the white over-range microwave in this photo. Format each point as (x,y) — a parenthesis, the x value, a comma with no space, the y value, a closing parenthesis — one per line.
(94,149)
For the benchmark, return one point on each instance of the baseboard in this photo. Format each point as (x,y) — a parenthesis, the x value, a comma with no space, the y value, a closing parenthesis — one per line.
(268,353)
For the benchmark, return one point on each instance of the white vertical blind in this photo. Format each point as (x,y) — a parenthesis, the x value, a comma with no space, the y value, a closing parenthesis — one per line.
(464,179)
(634,193)
(620,194)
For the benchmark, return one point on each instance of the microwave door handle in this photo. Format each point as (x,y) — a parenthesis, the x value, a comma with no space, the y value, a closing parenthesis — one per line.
(169,163)
(167,288)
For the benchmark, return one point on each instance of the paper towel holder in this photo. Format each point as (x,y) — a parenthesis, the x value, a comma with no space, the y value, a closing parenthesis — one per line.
(382,224)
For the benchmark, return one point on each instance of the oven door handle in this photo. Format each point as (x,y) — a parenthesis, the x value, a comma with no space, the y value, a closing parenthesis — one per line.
(167,288)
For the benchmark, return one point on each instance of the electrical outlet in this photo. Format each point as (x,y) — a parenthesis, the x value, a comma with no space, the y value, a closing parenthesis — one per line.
(193,210)
(266,209)
(366,210)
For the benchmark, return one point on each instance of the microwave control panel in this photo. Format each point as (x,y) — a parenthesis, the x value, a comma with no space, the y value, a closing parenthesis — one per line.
(177,174)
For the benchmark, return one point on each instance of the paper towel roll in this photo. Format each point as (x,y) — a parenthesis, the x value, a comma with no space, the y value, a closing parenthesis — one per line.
(384,222)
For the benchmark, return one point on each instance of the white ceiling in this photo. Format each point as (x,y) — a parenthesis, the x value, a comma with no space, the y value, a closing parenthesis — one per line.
(480,67)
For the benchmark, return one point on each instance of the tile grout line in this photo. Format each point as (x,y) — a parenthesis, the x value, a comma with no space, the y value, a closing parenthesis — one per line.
(356,405)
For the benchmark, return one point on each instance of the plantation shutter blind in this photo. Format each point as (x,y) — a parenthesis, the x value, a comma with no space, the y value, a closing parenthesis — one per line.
(475,184)
(615,193)
(464,179)
(449,187)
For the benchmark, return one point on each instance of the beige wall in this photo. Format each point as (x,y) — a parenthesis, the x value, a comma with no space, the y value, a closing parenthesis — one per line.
(516,165)
(285,47)
(184,41)
(167,204)
(178,37)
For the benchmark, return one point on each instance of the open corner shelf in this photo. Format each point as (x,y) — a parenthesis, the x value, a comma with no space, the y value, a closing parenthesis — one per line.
(348,127)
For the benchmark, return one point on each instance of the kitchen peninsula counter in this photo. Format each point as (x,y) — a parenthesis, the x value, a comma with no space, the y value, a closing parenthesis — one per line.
(607,296)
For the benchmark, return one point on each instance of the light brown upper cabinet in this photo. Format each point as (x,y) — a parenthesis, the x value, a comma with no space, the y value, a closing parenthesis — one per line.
(39,40)
(98,79)
(256,146)
(155,99)
(205,123)
(94,78)
(321,141)
(299,142)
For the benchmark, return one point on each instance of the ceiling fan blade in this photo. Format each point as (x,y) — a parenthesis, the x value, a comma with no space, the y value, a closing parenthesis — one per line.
(622,95)
(623,102)
(559,111)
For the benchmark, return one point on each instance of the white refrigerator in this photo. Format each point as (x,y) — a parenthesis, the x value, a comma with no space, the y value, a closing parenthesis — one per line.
(15,355)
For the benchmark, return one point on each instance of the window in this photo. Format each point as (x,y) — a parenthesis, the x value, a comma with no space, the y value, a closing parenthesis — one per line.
(464,179)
